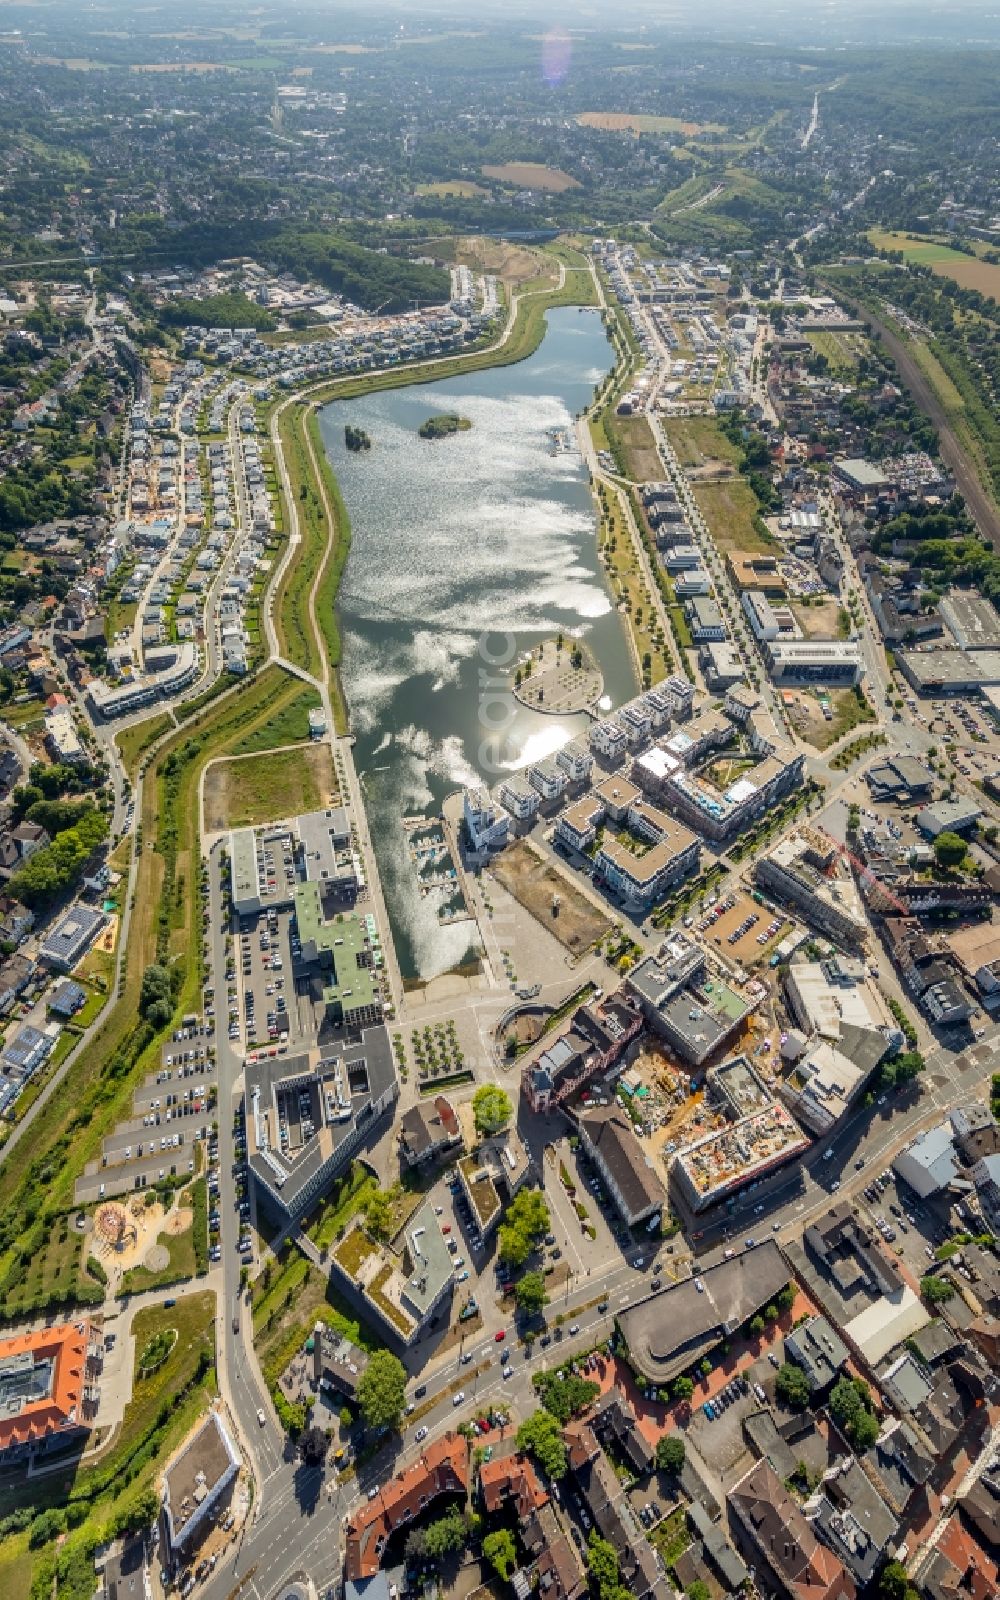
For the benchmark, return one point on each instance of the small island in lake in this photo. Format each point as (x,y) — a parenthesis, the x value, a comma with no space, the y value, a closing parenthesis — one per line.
(356,438)
(444,423)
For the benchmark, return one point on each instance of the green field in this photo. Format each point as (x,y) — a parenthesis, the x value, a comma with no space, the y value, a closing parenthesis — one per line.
(134,741)
(730,509)
(699,439)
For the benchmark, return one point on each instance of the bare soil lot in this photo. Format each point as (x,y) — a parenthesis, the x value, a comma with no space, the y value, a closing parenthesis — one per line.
(818,621)
(264,788)
(533,881)
(729,509)
(641,455)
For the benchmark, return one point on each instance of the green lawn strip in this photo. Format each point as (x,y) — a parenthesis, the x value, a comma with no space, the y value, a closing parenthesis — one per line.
(133,742)
(190,708)
(344,1201)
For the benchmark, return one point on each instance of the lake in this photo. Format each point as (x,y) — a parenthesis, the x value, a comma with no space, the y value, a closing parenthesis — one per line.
(466,551)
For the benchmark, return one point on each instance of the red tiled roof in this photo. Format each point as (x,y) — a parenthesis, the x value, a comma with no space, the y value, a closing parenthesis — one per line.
(511,1478)
(442,1468)
(66,1347)
(785,1540)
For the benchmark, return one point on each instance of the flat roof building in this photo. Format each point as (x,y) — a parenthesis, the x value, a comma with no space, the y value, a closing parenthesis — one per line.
(197,1479)
(308,1114)
(835,662)
(928,1164)
(800,870)
(695,1010)
(972,620)
(669,1331)
(758,1136)
(944,672)
(818,1349)
(404,1282)
(71,938)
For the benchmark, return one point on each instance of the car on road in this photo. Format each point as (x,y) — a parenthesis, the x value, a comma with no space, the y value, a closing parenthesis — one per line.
(603,1306)
(261,1416)
(574,1327)
(457,1399)
(500,1336)
(465,1358)
(420,1434)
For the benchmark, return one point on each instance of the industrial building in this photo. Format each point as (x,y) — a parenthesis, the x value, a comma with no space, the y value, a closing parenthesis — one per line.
(949,672)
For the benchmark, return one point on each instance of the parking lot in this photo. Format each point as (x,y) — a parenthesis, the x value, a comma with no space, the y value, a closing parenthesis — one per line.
(173,1109)
(265,1003)
(742,930)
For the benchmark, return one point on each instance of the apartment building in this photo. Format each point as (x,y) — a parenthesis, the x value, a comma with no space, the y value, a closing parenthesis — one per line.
(799,871)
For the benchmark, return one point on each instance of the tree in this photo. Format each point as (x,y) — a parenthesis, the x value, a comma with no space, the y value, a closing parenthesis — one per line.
(602,1566)
(501,1552)
(313,1445)
(378,1210)
(382,1390)
(935,1289)
(757,1325)
(539,1436)
(894,1583)
(865,1430)
(565,1395)
(448,1536)
(156,996)
(792,1387)
(949,850)
(850,1406)
(526,1222)
(670,1453)
(682,1388)
(491,1108)
(786,1297)
(530,1293)
(698,1590)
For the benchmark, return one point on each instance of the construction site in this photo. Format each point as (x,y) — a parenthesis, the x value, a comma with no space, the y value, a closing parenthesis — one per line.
(741,1134)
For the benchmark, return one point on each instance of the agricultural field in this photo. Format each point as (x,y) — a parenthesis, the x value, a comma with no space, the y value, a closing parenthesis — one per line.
(243,791)
(969,271)
(532,175)
(640,122)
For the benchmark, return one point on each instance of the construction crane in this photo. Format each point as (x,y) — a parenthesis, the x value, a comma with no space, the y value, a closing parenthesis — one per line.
(869,881)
